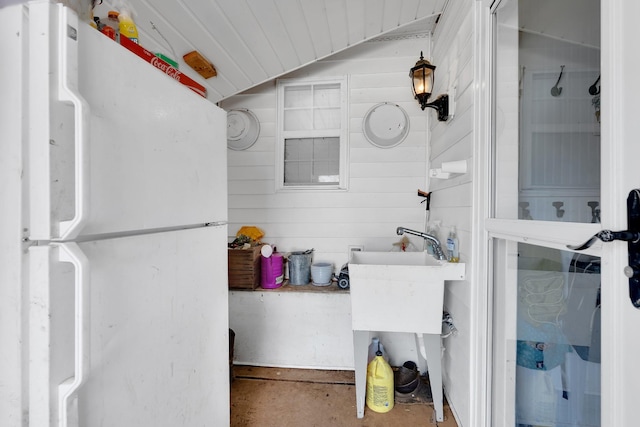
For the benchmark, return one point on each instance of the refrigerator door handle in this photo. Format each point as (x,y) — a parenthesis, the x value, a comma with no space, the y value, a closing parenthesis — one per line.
(71,252)
(69,92)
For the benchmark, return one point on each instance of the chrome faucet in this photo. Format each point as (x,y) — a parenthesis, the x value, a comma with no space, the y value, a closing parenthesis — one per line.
(435,243)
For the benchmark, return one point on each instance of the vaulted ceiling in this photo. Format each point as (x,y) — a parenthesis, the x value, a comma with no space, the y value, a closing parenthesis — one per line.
(253,41)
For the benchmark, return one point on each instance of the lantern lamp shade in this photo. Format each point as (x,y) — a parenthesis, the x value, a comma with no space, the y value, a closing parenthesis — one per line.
(422,75)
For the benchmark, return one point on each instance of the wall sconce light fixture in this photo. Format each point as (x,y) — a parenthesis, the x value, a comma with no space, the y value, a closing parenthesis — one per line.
(422,84)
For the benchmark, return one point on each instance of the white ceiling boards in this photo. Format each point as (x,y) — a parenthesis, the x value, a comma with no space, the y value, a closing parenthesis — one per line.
(253,41)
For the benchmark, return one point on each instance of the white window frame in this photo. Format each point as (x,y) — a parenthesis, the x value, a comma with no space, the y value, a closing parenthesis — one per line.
(342,134)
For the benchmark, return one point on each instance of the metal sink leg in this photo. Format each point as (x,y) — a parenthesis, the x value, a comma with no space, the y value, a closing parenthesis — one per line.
(360,353)
(429,348)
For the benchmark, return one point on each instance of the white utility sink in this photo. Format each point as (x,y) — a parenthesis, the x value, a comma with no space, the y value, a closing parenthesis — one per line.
(399,292)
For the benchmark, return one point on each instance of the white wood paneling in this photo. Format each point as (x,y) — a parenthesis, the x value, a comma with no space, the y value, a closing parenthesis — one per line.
(298,30)
(272,23)
(355,29)
(335,200)
(255,53)
(452,200)
(382,193)
(318,25)
(548,17)
(253,41)
(430,8)
(339,25)
(454,346)
(301,330)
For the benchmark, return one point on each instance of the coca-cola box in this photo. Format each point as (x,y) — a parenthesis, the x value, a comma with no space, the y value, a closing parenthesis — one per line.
(163,66)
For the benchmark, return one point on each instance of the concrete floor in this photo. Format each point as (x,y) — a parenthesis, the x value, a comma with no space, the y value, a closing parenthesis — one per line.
(276,397)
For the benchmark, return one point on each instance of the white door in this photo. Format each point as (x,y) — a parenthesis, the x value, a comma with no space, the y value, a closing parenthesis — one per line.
(565,124)
(115,145)
(144,343)
(620,324)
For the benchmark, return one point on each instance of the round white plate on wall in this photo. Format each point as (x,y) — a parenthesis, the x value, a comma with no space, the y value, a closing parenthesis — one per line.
(385,125)
(243,129)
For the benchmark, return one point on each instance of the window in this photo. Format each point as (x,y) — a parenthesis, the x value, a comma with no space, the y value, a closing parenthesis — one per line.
(312,134)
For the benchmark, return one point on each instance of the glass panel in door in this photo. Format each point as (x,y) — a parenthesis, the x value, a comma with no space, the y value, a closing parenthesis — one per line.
(546,152)
(547,110)
(557,343)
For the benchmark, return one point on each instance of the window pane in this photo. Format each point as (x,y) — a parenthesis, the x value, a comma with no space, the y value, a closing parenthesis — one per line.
(297,96)
(558,338)
(312,161)
(311,133)
(547,127)
(559,158)
(325,119)
(326,95)
(298,173)
(298,119)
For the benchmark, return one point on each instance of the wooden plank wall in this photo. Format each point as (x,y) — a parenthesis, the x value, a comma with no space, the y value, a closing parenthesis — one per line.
(382,193)
(383,183)
(453,47)
(255,41)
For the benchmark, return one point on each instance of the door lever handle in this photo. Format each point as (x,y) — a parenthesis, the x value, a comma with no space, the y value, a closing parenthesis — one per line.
(632,237)
(608,236)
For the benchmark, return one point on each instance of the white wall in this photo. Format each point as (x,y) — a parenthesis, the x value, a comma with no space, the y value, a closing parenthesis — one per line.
(452,199)
(461,34)
(292,329)
(383,182)
(382,195)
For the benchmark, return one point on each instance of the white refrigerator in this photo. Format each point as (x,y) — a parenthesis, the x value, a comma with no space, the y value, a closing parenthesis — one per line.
(120,187)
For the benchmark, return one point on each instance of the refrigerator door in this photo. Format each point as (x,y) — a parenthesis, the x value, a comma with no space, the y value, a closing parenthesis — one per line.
(53,329)
(116,145)
(131,331)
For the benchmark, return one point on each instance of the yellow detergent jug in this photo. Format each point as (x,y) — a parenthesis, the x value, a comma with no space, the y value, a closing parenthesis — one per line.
(379,385)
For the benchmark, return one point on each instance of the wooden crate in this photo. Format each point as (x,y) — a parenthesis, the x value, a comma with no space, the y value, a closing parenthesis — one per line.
(244,268)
